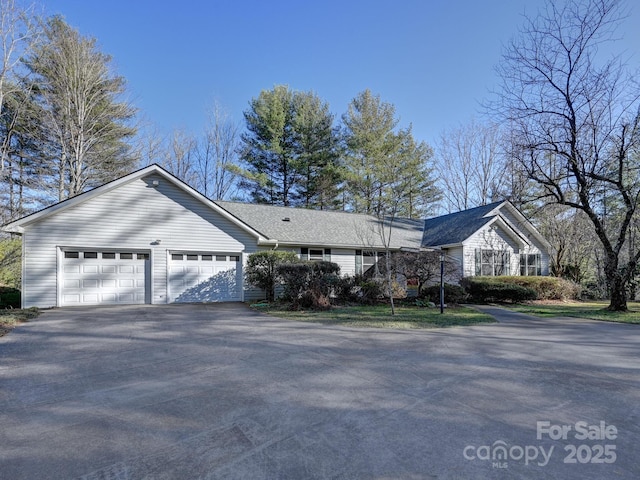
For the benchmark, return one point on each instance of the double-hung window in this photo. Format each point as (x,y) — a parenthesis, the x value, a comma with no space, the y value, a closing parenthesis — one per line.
(530,264)
(492,263)
(365,260)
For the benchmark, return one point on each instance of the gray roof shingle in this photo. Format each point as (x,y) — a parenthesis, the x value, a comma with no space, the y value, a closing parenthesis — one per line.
(456,227)
(323,227)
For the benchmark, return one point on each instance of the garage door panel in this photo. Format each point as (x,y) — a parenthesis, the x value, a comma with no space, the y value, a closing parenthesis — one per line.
(90,283)
(209,277)
(71,284)
(90,298)
(93,278)
(71,299)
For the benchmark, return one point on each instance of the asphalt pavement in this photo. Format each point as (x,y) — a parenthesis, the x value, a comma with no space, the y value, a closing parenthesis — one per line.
(220,391)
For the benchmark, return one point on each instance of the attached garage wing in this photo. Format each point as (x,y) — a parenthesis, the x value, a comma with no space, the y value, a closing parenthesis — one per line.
(91,277)
(205,277)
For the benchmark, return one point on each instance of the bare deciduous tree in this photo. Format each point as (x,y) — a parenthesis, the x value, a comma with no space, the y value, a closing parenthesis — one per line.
(179,157)
(17,34)
(575,121)
(216,155)
(470,165)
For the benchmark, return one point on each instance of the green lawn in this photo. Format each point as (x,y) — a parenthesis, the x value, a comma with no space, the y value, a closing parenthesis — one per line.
(594,310)
(379,316)
(9,318)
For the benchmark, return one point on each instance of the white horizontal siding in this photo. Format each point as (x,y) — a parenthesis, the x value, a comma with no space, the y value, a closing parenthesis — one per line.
(498,239)
(346,259)
(535,246)
(490,238)
(133,216)
(455,256)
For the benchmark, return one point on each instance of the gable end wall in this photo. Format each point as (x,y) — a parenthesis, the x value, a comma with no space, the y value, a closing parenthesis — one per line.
(133,216)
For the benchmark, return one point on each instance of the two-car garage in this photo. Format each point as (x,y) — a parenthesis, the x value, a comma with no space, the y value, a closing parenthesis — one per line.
(112,277)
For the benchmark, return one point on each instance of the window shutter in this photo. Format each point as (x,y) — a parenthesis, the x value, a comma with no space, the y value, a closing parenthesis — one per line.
(327,254)
(538,265)
(478,262)
(507,267)
(304,254)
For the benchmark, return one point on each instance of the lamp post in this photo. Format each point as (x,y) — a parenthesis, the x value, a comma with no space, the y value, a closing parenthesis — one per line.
(441,281)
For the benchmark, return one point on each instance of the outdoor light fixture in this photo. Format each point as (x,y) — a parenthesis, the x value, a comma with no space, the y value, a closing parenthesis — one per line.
(155,183)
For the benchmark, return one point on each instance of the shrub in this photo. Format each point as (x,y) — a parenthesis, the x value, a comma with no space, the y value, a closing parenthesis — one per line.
(347,288)
(593,291)
(452,293)
(309,284)
(295,278)
(546,288)
(261,269)
(9,297)
(486,289)
(370,291)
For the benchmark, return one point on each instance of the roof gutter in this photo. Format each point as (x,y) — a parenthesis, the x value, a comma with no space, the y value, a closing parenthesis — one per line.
(264,242)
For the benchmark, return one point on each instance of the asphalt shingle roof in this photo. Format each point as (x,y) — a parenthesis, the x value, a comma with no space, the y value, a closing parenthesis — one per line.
(456,227)
(322,227)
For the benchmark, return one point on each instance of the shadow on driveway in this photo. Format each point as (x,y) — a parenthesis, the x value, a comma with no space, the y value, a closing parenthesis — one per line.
(221,391)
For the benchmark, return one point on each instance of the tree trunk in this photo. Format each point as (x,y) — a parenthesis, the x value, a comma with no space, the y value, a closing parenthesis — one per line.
(389,280)
(617,288)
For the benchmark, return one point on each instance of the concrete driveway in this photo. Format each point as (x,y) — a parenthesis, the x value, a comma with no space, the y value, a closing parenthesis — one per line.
(218,391)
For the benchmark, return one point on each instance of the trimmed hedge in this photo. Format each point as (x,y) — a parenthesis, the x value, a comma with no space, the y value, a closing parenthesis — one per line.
(481,289)
(546,288)
(452,293)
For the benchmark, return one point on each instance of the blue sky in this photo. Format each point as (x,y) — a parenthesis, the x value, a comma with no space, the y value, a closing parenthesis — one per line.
(433,59)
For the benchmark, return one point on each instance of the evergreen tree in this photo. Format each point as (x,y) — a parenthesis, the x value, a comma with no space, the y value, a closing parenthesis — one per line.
(289,150)
(381,163)
(84,122)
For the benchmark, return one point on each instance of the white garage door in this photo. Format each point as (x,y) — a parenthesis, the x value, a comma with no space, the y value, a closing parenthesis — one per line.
(204,277)
(92,277)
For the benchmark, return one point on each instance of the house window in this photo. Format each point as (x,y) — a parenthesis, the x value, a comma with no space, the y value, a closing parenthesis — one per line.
(71,255)
(207,258)
(315,254)
(177,256)
(221,258)
(491,263)
(530,264)
(108,255)
(142,256)
(365,260)
(126,256)
(90,254)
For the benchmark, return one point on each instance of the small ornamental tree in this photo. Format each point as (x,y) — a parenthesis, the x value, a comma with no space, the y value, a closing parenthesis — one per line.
(262,269)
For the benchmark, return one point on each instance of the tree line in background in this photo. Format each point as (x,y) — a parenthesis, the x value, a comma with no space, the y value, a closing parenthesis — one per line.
(561,140)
